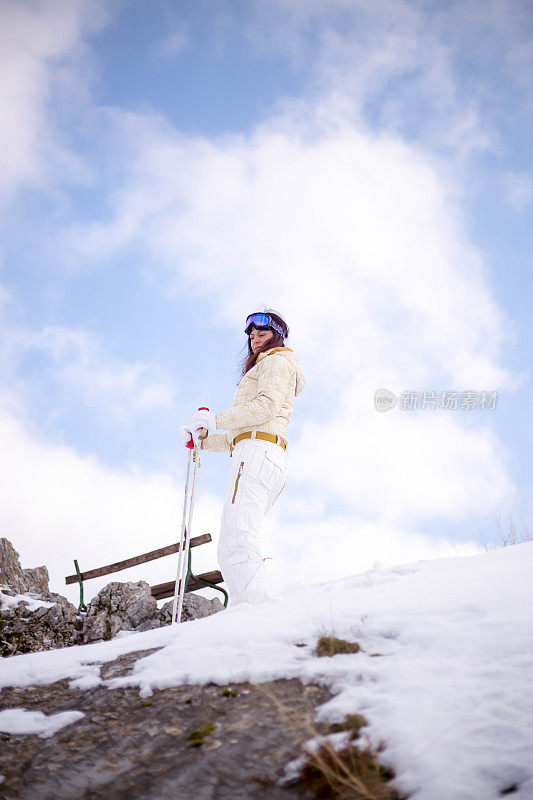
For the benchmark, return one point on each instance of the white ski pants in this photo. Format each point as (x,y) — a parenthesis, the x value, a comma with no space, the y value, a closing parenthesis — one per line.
(256,479)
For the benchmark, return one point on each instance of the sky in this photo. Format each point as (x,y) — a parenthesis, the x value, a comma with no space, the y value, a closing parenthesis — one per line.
(166,168)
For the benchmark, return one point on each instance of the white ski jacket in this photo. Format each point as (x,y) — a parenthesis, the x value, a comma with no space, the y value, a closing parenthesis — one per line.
(264,399)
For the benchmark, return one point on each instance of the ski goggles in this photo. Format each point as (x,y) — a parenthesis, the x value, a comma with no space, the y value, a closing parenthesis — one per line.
(261,320)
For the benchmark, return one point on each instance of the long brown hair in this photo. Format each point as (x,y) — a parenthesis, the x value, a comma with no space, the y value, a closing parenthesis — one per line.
(277,340)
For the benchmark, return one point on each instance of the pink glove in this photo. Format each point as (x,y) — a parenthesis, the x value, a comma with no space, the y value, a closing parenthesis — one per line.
(186,435)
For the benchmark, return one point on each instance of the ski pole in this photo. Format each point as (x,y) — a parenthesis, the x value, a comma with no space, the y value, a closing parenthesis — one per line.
(186,525)
(187,542)
(181,541)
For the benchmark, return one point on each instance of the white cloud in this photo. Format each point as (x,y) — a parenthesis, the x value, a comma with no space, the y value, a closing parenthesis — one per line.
(35,39)
(84,371)
(427,68)
(313,551)
(316,219)
(404,466)
(358,239)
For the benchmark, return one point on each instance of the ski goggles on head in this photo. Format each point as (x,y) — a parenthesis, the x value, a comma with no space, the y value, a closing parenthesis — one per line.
(261,320)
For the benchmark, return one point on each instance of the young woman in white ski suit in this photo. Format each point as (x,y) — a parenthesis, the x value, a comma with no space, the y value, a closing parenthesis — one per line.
(256,439)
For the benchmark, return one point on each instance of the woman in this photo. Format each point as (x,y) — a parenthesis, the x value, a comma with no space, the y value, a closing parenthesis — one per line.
(256,439)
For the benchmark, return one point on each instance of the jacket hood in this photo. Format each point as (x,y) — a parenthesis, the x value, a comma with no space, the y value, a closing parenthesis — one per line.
(291,356)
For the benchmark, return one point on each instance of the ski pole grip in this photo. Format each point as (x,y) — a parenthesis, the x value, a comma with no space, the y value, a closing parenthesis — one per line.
(203,435)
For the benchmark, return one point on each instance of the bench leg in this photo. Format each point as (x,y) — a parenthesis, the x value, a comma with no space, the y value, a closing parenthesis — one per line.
(82,606)
(190,575)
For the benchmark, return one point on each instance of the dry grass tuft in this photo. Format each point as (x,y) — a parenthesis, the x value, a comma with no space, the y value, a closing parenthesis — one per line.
(349,773)
(331,645)
(508,535)
(511,535)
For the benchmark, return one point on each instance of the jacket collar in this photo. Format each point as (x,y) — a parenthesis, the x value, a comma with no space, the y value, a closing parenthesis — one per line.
(273,350)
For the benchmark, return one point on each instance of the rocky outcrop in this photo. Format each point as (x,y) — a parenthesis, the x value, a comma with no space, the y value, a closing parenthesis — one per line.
(28,625)
(16,578)
(131,607)
(119,607)
(32,618)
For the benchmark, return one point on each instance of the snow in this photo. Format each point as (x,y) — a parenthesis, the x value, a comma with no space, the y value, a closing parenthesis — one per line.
(19,720)
(449,693)
(9,601)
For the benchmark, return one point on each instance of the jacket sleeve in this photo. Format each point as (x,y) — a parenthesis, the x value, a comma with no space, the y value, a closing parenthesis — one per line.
(275,374)
(216,442)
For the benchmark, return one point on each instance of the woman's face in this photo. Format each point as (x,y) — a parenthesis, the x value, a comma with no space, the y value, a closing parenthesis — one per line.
(259,338)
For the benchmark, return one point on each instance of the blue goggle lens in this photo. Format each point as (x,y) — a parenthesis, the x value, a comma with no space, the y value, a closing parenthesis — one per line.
(259,320)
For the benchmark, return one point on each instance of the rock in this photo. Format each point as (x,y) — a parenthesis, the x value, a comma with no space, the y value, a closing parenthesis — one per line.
(119,607)
(194,607)
(37,579)
(31,617)
(28,625)
(14,577)
(128,746)
(131,607)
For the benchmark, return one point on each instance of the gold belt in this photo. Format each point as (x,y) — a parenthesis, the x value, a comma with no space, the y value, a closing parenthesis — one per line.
(270,437)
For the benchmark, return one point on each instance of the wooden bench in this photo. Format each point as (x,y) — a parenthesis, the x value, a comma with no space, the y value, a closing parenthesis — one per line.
(161,590)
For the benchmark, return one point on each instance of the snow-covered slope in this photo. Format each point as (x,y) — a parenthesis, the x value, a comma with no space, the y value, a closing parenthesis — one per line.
(450,692)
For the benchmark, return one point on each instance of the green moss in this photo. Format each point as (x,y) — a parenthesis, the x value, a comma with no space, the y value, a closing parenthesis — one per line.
(331,645)
(352,722)
(197,736)
(229,693)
